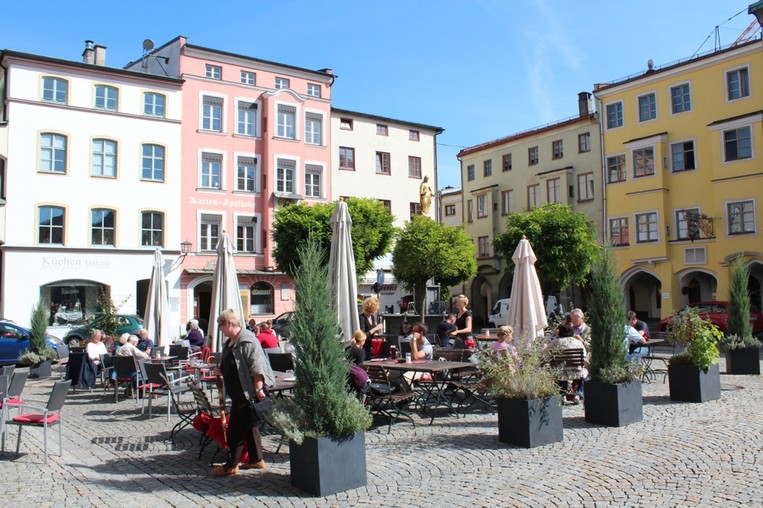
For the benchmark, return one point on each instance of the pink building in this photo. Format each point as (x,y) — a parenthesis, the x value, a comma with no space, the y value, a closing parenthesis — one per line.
(255,135)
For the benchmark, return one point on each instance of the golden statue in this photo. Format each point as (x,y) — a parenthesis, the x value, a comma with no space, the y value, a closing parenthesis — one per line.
(425,193)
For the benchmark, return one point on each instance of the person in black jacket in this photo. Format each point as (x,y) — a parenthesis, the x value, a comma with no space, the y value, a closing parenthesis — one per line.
(369,323)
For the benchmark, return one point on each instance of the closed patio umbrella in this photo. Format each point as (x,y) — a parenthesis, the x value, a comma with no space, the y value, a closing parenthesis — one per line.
(156,315)
(526,313)
(344,284)
(225,293)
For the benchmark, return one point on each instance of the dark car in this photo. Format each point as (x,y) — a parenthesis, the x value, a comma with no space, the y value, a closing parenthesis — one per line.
(282,324)
(14,340)
(717,313)
(128,323)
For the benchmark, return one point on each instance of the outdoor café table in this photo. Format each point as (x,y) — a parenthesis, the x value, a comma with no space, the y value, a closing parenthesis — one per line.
(649,358)
(431,393)
(285,382)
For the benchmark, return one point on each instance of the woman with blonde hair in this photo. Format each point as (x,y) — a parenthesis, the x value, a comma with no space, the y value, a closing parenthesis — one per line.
(369,323)
(463,331)
(505,336)
(356,353)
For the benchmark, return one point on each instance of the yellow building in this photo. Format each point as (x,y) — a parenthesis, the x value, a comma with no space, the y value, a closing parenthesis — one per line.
(683,145)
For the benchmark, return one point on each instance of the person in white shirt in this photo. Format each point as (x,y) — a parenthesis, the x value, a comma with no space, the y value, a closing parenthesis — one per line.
(96,348)
(129,347)
(421,349)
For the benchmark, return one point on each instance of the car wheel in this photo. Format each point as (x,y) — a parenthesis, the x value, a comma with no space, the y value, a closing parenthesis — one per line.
(73,341)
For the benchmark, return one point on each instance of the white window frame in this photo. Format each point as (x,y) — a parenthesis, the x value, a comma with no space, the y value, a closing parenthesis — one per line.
(619,116)
(651,111)
(212,109)
(585,187)
(745,84)
(244,223)
(507,201)
(208,163)
(683,101)
(483,246)
(154,159)
(56,90)
(621,221)
(682,224)
(108,102)
(210,228)
(313,128)
(651,232)
(554,190)
(286,175)
(672,149)
(247,118)
(152,230)
(286,129)
(102,159)
(533,196)
(248,78)
(482,206)
(50,155)
(725,143)
(282,83)
(103,230)
(313,179)
(212,71)
(642,152)
(151,107)
(314,90)
(247,162)
(751,213)
(50,227)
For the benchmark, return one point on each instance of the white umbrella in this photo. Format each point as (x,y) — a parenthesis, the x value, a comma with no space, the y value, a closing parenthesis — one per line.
(157,313)
(526,313)
(225,293)
(344,284)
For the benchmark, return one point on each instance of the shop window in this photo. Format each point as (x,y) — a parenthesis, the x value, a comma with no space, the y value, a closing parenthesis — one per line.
(261,298)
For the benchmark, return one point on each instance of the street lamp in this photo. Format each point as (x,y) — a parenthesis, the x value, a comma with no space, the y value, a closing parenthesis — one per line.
(185,248)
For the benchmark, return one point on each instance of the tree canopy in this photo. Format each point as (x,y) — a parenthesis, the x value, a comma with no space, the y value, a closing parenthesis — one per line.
(564,243)
(372,232)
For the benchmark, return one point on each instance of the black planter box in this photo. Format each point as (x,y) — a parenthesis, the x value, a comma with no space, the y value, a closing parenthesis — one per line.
(613,405)
(689,383)
(530,423)
(743,361)
(328,465)
(40,370)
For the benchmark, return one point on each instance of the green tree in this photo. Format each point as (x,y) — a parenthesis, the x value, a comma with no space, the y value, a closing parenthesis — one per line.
(372,232)
(564,243)
(426,249)
(108,321)
(38,351)
(739,301)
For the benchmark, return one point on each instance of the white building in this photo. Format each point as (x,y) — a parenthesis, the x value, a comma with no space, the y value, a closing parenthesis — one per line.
(92,179)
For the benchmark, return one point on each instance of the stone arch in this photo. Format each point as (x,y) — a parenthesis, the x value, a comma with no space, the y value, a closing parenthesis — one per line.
(697,284)
(480,301)
(643,292)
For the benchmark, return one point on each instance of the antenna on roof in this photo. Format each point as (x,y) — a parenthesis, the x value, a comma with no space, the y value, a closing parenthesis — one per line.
(148,45)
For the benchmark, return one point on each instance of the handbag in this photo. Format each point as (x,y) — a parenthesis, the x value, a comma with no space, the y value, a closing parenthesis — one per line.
(260,409)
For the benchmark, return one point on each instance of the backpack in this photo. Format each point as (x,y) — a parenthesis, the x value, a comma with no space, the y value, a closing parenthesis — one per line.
(359,378)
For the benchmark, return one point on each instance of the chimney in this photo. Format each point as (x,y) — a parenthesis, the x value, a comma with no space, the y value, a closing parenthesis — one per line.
(584,104)
(88,56)
(100,55)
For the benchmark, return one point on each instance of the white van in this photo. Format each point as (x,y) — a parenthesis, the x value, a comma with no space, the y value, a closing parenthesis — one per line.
(500,314)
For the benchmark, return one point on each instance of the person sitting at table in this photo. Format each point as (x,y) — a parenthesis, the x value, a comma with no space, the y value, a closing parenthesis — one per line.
(444,329)
(566,340)
(195,335)
(463,331)
(356,353)
(641,327)
(505,336)
(579,327)
(421,349)
(268,339)
(129,347)
(634,341)
(145,344)
(95,348)
(369,323)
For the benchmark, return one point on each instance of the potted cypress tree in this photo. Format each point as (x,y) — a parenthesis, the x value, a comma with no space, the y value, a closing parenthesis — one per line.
(741,348)
(39,355)
(613,394)
(693,374)
(323,421)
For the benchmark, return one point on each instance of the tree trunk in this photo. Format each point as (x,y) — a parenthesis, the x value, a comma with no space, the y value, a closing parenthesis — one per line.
(420,297)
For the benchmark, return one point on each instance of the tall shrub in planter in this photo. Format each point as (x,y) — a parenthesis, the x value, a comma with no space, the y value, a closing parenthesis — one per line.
(741,348)
(693,374)
(39,354)
(613,394)
(324,422)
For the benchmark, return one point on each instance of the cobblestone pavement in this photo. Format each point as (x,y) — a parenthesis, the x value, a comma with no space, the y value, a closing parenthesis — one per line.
(682,454)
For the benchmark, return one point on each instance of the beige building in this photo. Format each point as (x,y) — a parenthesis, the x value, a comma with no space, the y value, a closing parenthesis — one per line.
(556,163)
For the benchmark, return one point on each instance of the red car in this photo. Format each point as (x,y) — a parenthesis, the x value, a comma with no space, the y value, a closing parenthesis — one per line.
(717,313)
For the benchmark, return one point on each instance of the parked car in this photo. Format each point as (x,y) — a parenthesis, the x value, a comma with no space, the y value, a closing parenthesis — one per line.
(500,313)
(717,313)
(282,324)
(128,323)
(14,340)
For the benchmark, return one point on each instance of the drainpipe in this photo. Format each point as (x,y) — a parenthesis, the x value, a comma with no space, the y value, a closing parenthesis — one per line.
(604,225)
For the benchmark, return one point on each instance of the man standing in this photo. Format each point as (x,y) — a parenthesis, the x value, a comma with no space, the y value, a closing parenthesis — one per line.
(246,373)
(145,344)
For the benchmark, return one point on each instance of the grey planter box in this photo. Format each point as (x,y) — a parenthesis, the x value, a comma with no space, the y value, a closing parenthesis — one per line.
(530,423)
(689,383)
(40,370)
(613,405)
(743,361)
(327,465)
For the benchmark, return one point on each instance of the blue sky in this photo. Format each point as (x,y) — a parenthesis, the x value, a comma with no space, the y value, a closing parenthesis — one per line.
(481,69)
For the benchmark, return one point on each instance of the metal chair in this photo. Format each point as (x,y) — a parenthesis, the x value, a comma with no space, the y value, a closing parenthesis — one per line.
(386,399)
(107,367)
(156,375)
(126,371)
(62,352)
(50,415)
(10,396)
(186,411)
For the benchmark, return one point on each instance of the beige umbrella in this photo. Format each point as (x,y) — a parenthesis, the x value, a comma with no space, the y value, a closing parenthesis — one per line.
(225,293)
(157,312)
(344,284)
(526,313)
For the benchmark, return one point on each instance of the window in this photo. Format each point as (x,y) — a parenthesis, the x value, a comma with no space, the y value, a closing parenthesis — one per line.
(481,206)
(313,181)
(616,169)
(106,97)
(383,163)
(282,83)
(346,158)
(51,225)
(246,228)
(533,196)
(382,130)
(643,162)
(211,167)
(738,84)
(682,156)
(507,202)
(345,124)
(286,120)
(737,144)
(585,186)
(584,142)
(246,171)
(470,210)
(313,90)
(285,175)
(414,167)
(313,129)
(647,107)
(102,228)
(532,156)
(152,229)
(487,168)
(213,71)
(557,149)
(470,172)
(153,163)
(506,162)
(614,115)
(154,104)
(387,204)
(212,114)
(684,229)
(646,227)
(450,210)
(209,231)
(554,190)
(53,153)
(680,98)
(483,246)
(248,78)
(618,231)
(415,209)
(104,162)
(741,217)
(246,121)
(55,90)
(413,135)
(262,298)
